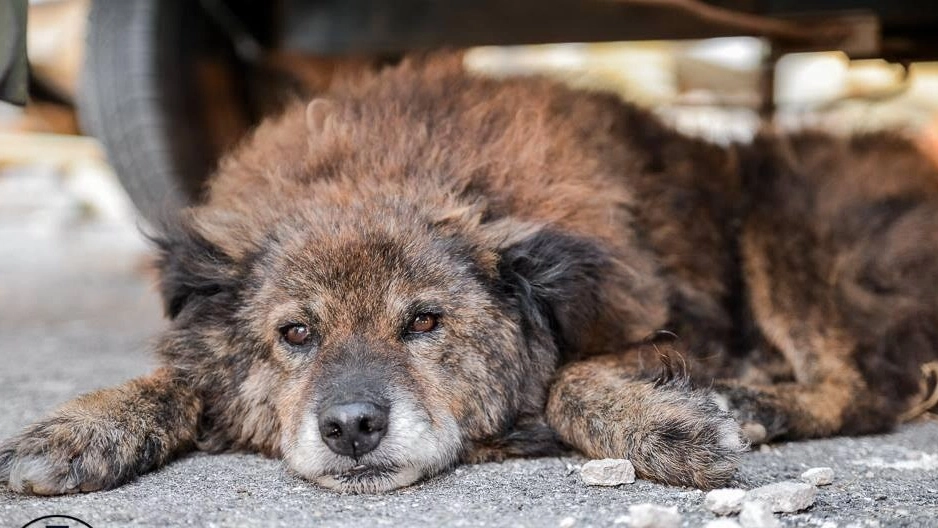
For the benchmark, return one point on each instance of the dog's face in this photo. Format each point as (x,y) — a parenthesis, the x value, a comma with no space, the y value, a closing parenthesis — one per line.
(397,347)
(384,343)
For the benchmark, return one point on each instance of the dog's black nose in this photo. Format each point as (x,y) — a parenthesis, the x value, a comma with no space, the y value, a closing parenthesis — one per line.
(353,429)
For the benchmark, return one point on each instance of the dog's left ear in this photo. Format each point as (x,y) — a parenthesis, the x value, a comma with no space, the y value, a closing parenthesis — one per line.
(320,116)
(193,270)
(556,280)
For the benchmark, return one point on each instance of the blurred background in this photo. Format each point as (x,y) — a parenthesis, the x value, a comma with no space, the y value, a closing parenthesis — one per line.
(126,105)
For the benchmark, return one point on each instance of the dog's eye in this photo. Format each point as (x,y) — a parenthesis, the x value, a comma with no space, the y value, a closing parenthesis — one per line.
(296,334)
(422,323)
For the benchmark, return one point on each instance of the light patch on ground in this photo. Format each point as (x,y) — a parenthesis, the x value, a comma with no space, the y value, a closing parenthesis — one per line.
(924,462)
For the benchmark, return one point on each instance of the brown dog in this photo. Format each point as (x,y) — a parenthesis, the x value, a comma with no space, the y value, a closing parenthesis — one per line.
(426,268)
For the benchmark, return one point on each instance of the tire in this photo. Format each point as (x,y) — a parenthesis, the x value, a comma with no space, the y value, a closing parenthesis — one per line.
(137,96)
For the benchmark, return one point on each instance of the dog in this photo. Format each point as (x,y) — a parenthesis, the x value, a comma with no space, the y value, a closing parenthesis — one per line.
(426,267)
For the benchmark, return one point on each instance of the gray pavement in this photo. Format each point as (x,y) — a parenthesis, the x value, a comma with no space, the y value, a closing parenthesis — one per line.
(77,310)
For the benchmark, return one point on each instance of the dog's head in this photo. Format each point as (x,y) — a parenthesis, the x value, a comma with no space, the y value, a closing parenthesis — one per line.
(374,336)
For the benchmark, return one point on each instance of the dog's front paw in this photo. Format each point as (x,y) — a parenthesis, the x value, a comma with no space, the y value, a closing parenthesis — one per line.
(103,439)
(59,456)
(670,432)
(687,439)
(70,455)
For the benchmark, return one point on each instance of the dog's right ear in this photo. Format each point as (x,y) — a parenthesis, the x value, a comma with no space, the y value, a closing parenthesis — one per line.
(192,269)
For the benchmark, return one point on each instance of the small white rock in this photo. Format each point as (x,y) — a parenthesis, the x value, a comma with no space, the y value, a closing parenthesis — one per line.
(654,516)
(757,514)
(607,472)
(788,496)
(724,501)
(819,476)
(566,522)
(722,523)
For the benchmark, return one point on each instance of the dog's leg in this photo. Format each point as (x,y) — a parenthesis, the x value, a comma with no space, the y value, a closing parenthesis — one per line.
(794,410)
(849,310)
(610,407)
(103,439)
(844,385)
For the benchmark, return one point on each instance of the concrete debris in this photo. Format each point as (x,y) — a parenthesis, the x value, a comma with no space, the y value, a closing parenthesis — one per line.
(607,472)
(819,476)
(787,496)
(654,516)
(725,501)
(757,514)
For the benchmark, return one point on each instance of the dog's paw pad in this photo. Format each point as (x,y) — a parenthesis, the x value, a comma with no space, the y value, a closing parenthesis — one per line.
(755,433)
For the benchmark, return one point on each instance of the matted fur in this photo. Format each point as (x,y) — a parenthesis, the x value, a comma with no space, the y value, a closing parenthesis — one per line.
(601,283)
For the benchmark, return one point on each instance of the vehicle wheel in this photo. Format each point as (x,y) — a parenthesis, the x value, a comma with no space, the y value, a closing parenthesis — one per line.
(138,97)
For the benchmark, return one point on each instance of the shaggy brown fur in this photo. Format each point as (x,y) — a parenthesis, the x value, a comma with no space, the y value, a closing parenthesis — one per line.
(482,269)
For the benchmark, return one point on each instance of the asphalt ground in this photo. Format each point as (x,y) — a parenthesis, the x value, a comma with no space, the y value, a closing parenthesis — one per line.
(78,309)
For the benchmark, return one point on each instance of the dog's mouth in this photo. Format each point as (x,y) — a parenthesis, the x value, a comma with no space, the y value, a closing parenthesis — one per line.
(369,479)
(364,472)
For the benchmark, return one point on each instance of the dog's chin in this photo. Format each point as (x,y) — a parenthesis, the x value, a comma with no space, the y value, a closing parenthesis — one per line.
(369,479)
